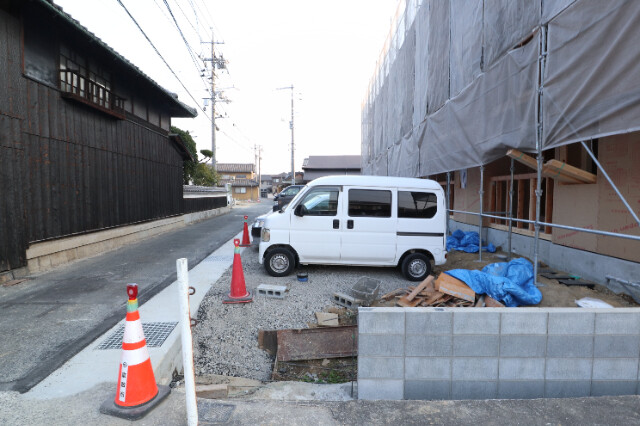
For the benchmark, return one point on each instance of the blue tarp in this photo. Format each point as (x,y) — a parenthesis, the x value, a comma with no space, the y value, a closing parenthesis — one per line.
(467,241)
(508,282)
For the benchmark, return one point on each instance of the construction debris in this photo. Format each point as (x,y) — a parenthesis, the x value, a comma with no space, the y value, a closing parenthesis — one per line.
(590,302)
(347,301)
(448,285)
(366,289)
(273,291)
(326,319)
(317,343)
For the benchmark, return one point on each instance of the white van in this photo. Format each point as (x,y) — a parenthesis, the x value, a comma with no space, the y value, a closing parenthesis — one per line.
(359,220)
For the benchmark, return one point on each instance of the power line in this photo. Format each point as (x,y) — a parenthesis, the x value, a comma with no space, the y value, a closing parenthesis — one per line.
(159,54)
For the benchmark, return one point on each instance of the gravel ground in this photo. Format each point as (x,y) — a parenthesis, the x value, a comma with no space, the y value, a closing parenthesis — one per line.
(225,340)
(227,335)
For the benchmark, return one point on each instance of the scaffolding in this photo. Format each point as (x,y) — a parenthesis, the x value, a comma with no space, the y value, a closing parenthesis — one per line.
(556,75)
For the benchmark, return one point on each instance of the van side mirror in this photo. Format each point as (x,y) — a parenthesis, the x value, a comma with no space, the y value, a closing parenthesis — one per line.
(300,210)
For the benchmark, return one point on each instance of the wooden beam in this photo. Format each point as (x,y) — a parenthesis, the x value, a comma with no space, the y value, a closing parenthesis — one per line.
(520,211)
(532,202)
(531,162)
(499,193)
(492,200)
(565,170)
(548,208)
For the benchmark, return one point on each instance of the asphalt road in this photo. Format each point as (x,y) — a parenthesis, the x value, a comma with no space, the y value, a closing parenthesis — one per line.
(48,319)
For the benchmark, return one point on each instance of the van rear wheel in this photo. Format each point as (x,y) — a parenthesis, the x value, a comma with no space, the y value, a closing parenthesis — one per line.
(279,262)
(416,267)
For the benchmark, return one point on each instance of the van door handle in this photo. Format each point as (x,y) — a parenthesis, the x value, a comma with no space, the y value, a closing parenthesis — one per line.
(349,224)
(336,224)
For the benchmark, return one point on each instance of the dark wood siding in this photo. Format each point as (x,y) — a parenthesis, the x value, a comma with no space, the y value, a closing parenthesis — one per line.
(13,243)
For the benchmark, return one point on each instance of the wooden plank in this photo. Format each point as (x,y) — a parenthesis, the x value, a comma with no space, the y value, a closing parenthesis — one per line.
(520,208)
(492,200)
(433,299)
(499,203)
(393,293)
(490,302)
(531,162)
(532,202)
(449,285)
(406,300)
(548,208)
(317,343)
(567,171)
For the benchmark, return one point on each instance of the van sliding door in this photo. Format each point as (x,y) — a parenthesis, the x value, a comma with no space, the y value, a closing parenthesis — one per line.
(369,234)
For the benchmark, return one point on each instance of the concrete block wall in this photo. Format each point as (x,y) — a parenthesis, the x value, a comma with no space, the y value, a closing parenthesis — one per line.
(488,353)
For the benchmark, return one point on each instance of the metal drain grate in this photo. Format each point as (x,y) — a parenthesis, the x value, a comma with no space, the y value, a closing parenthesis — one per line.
(211,412)
(155,334)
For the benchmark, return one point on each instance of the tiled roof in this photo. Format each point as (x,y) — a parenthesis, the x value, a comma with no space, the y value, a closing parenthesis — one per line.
(234,167)
(239,182)
(333,162)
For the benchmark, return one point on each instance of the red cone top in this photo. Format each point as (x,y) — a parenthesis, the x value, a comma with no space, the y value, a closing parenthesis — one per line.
(236,242)
(132,291)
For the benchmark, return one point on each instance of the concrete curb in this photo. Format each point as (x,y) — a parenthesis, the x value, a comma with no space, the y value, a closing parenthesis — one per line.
(92,366)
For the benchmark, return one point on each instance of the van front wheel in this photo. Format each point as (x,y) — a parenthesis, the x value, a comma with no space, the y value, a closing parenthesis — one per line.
(416,267)
(279,262)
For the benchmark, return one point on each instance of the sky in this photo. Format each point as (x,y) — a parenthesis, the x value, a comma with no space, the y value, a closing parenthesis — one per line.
(326,49)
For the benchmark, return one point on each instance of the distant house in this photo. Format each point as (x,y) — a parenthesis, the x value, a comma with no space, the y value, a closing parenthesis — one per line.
(242,178)
(266,183)
(325,165)
(84,139)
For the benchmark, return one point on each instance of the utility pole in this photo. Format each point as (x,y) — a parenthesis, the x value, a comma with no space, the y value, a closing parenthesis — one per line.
(257,152)
(293,170)
(215,63)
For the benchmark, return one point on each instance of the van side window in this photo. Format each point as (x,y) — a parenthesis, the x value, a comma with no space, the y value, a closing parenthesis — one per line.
(420,205)
(321,202)
(369,203)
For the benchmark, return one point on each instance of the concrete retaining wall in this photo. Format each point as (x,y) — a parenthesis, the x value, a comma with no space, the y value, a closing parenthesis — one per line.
(488,353)
(50,254)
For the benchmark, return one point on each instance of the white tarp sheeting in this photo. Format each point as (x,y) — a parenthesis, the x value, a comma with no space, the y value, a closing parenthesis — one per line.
(462,87)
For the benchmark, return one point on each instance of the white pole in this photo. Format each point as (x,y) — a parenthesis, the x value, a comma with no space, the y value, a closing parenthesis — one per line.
(187,344)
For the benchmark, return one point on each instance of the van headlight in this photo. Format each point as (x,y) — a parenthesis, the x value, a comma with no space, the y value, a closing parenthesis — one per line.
(266,235)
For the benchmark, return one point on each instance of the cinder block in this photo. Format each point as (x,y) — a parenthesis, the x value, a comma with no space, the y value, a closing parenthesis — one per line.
(476,322)
(623,323)
(474,369)
(571,322)
(567,388)
(521,368)
(380,367)
(613,387)
(523,323)
(381,320)
(615,368)
(525,389)
(380,389)
(427,345)
(347,301)
(427,368)
(569,369)
(616,346)
(570,346)
(273,291)
(474,390)
(429,322)
(381,345)
(472,346)
(427,389)
(523,346)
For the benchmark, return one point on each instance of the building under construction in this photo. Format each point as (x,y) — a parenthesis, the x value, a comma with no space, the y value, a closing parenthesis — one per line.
(529,110)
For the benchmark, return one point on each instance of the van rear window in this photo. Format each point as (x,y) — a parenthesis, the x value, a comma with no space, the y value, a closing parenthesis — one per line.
(420,205)
(369,202)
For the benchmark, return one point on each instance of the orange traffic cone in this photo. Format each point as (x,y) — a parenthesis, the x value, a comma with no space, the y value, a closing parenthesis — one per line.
(137,392)
(239,293)
(246,242)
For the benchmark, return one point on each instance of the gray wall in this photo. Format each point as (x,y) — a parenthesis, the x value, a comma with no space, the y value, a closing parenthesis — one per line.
(488,353)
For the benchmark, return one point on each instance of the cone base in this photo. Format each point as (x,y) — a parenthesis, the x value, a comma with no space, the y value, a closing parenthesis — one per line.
(245,245)
(139,411)
(246,299)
